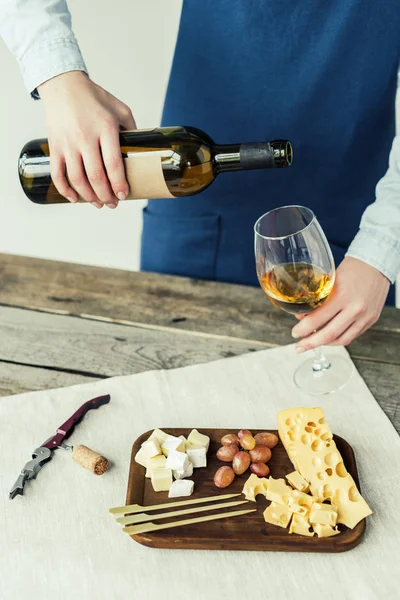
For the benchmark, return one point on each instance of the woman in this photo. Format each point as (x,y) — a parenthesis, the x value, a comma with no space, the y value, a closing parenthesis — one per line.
(323,75)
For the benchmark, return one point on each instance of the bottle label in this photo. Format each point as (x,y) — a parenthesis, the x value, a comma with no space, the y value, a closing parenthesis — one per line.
(145,176)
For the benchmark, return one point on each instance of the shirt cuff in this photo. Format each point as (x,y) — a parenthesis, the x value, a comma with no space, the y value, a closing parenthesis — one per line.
(378,250)
(50,59)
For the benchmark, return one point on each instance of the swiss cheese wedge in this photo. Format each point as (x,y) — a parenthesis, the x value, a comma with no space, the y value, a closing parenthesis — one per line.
(309,443)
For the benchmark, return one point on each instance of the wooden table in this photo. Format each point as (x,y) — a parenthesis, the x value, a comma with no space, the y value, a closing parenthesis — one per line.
(63,324)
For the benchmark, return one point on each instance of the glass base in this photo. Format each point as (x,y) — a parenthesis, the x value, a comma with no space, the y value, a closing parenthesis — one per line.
(336,373)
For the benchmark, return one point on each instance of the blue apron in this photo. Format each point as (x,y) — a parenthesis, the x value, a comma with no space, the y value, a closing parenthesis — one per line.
(321,74)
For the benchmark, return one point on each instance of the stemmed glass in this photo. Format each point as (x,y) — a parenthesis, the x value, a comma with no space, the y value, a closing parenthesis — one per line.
(296,271)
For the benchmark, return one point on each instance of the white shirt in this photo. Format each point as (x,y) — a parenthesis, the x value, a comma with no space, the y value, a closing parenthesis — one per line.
(39,34)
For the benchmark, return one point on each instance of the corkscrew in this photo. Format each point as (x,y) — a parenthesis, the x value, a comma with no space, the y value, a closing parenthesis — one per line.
(81,454)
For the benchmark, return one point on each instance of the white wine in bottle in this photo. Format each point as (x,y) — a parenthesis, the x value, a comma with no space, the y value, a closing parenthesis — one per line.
(163,162)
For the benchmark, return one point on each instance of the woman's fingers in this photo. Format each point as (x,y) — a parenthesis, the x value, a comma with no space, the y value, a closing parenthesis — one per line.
(77,176)
(328,334)
(97,176)
(114,164)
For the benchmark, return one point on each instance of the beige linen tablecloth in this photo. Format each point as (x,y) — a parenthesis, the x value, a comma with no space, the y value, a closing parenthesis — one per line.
(59,542)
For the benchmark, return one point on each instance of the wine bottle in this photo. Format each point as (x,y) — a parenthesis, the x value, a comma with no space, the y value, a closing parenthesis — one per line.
(164,162)
(297,288)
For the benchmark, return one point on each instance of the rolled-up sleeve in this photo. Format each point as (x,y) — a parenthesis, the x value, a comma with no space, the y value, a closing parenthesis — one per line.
(39,34)
(378,240)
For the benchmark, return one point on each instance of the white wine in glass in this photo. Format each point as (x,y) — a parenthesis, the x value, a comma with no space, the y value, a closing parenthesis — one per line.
(296,271)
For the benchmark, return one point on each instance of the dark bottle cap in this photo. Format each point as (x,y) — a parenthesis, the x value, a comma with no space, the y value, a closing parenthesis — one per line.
(264,155)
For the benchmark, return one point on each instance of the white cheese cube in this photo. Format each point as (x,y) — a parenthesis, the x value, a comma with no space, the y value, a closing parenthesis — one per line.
(172,443)
(160,435)
(183,474)
(182,437)
(161,480)
(177,461)
(183,487)
(157,462)
(197,455)
(148,450)
(198,439)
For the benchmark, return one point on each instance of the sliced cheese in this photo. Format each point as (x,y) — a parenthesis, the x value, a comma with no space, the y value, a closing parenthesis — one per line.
(276,489)
(172,443)
(197,455)
(183,487)
(254,486)
(323,514)
(185,473)
(309,443)
(325,530)
(198,439)
(299,502)
(148,450)
(300,525)
(298,482)
(161,480)
(157,462)
(177,461)
(276,514)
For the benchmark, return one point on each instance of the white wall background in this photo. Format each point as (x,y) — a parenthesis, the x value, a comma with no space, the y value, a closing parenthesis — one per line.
(128,47)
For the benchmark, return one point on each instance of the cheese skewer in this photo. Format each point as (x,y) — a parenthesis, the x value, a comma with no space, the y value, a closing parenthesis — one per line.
(146,527)
(143,517)
(137,508)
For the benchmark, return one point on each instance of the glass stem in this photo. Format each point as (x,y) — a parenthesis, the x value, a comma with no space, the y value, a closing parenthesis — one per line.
(321,363)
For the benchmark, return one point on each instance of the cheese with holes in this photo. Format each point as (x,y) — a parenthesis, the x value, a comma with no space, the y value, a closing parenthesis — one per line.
(323,514)
(276,489)
(276,514)
(183,487)
(172,443)
(298,482)
(148,450)
(300,525)
(157,462)
(308,440)
(325,530)
(298,502)
(199,439)
(197,455)
(160,436)
(161,480)
(177,461)
(254,486)
(184,473)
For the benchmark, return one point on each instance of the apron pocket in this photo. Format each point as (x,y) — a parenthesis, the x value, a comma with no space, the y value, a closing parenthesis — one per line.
(176,245)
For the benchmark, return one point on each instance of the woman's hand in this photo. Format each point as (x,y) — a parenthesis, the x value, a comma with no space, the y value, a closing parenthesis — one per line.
(355,304)
(83,124)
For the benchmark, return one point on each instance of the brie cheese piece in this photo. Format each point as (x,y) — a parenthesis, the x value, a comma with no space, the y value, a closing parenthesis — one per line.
(177,461)
(161,480)
(148,450)
(172,443)
(197,455)
(183,487)
(157,462)
(183,474)
(198,439)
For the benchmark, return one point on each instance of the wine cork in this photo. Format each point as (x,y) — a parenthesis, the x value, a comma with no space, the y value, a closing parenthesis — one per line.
(92,461)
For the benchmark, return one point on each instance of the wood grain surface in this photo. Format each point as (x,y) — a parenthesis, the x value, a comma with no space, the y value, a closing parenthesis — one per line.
(247,532)
(121,322)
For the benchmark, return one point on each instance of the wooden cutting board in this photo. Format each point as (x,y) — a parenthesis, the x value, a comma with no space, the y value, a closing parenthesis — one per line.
(247,532)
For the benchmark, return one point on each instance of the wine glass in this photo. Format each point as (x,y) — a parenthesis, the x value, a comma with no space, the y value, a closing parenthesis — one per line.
(296,271)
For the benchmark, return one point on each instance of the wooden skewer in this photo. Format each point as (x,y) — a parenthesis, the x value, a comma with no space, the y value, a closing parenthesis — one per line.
(143,517)
(146,527)
(137,508)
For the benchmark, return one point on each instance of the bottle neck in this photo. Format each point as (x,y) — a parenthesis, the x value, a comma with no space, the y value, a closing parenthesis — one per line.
(258,155)
(226,158)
